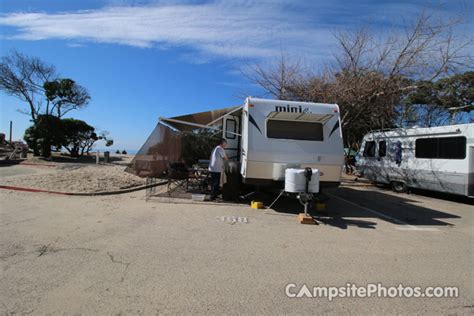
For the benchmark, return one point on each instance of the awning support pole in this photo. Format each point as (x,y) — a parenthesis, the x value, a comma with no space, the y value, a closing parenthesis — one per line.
(164,119)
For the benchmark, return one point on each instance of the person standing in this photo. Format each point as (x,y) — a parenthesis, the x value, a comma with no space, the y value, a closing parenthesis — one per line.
(216,165)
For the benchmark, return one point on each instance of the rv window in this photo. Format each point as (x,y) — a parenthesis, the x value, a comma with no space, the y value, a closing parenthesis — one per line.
(295,130)
(382,148)
(369,149)
(230,129)
(441,148)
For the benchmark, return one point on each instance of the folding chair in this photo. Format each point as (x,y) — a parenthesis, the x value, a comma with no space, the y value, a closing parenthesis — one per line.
(178,177)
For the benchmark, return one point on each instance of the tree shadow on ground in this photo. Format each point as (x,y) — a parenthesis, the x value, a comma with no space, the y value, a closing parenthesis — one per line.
(330,216)
(352,207)
(440,195)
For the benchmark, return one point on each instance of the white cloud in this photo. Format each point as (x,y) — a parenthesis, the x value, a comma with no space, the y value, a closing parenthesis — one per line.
(243,29)
(222,28)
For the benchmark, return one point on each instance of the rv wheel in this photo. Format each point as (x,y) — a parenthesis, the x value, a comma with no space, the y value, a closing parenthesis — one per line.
(399,186)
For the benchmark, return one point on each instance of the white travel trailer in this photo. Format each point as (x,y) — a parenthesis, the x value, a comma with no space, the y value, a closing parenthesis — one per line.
(436,158)
(265,137)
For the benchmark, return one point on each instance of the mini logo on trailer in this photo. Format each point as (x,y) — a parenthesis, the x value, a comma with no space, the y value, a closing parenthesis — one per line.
(291,109)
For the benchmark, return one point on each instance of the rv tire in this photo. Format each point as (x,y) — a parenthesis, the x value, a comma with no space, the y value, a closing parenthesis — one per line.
(399,186)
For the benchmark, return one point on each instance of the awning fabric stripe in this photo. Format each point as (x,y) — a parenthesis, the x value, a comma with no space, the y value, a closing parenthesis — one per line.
(306,117)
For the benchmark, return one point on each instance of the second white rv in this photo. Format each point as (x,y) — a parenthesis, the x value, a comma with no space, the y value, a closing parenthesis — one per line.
(437,158)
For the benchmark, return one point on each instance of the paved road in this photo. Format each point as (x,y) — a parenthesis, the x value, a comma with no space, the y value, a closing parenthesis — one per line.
(120,254)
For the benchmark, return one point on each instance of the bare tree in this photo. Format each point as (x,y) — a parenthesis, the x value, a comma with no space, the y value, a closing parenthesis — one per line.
(275,79)
(24,77)
(373,74)
(426,49)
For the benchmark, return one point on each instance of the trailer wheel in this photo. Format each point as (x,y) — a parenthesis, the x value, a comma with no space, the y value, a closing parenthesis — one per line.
(399,186)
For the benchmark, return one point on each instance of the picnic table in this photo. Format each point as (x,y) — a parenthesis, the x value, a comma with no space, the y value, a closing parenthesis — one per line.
(199,177)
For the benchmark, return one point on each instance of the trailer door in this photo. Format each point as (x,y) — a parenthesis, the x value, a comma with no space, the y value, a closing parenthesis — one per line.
(232,135)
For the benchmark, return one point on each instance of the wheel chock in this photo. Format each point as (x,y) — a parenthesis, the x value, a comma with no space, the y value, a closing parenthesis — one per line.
(305,219)
(256,205)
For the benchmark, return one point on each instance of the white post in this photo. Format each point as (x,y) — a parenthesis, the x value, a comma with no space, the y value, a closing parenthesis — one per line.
(97,157)
(11,132)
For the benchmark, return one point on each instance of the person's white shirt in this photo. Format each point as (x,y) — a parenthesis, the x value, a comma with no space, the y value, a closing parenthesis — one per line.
(217,159)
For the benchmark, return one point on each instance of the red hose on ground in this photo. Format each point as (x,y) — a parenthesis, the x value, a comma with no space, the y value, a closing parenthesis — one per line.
(133,189)
(31,190)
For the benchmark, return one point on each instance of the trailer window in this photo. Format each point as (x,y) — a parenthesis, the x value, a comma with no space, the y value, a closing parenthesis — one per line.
(230,129)
(382,148)
(441,148)
(295,130)
(369,149)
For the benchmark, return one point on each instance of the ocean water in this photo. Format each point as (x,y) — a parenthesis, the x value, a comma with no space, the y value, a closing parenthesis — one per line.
(113,150)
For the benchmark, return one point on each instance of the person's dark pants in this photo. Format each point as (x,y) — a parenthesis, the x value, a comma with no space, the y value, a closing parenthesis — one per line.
(215,181)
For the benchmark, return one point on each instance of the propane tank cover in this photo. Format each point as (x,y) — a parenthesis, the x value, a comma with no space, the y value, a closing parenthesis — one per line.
(295,181)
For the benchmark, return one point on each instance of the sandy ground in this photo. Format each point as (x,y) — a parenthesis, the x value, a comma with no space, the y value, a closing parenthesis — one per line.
(122,255)
(70,176)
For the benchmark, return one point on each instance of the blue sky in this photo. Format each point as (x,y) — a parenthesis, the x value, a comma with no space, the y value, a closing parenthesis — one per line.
(145,59)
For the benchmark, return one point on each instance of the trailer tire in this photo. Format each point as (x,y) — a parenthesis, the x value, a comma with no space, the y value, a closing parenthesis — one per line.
(399,186)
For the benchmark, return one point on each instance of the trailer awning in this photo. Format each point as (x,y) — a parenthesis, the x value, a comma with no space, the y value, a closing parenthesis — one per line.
(306,117)
(193,121)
